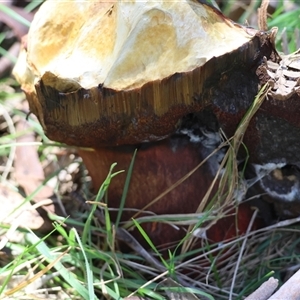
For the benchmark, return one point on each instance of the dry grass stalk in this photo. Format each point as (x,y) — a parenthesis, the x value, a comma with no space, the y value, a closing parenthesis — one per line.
(262,15)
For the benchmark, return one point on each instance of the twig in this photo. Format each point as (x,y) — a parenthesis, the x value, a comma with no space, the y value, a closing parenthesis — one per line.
(265,290)
(290,290)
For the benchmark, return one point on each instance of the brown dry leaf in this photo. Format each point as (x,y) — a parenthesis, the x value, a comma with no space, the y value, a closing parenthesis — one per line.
(29,172)
(11,214)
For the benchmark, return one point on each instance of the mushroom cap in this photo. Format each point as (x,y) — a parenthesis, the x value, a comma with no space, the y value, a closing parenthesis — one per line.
(121,72)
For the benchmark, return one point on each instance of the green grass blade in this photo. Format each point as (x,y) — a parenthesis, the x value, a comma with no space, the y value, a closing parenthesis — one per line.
(42,247)
(102,190)
(125,190)
(148,240)
(89,273)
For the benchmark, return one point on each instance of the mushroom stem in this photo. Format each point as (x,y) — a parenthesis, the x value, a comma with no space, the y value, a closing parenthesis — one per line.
(157,167)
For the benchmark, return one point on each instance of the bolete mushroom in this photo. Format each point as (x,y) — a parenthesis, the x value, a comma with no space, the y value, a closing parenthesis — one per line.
(121,75)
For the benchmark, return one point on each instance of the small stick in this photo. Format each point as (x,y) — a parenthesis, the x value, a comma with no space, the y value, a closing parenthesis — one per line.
(289,290)
(265,290)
